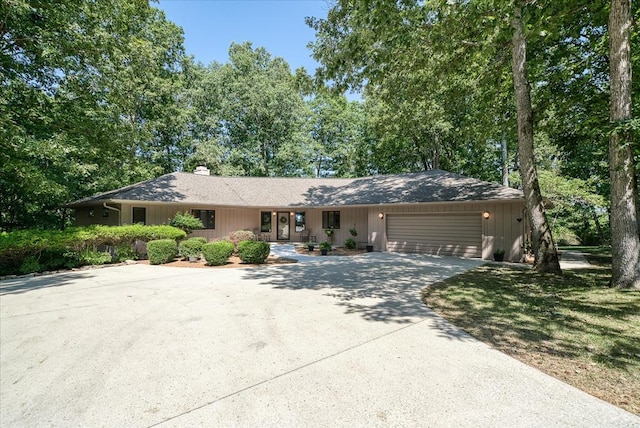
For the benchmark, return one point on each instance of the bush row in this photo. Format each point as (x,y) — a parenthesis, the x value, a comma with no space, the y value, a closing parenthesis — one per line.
(27,251)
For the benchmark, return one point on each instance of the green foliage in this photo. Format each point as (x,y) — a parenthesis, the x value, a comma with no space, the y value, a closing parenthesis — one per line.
(77,115)
(55,249)
(125,251)
(324,245)
(353,232)
(217,253)
(253,251)
(350,244)
(186,222)
(161,251)
(29,265)
(191,247)
(90,257)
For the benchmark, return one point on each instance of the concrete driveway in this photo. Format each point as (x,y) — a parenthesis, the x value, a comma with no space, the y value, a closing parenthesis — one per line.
(334,342)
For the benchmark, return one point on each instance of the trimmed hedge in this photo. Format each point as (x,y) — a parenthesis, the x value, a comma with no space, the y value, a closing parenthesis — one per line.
(26,251)
(161,251)
(217,253)
(253,251)
(191,247)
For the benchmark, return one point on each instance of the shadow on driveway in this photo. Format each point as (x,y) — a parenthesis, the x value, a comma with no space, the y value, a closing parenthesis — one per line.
(24,284)
(380,287)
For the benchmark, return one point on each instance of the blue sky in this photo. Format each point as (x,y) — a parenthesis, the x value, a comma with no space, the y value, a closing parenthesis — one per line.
(277,25)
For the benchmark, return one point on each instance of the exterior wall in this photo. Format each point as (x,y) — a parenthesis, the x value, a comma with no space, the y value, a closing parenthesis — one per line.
(231,219)
(501,231)
(83,216)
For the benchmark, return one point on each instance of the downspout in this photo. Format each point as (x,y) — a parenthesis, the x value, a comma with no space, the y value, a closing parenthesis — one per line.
(104,204)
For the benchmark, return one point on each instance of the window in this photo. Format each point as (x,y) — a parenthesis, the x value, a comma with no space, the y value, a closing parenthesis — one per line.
(265,221)
(208,217)
(331,219)
(139,215)
(300,221)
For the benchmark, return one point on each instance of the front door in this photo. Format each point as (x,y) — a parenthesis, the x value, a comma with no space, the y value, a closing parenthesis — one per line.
(283,226)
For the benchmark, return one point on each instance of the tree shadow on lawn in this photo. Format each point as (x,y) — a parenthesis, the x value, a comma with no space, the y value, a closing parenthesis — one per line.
(572,316)
(377,287)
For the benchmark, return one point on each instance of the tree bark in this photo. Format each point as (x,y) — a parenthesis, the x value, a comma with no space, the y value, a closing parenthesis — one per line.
(543,246)
(625,244)
(505,161)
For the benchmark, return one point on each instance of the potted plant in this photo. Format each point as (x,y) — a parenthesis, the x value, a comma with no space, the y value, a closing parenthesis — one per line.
(369,248)
(311,245)
(325,247)
(353,231)
(329,233)
(498,255)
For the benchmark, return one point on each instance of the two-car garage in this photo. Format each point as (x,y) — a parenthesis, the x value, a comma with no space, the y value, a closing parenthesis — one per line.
(450,234)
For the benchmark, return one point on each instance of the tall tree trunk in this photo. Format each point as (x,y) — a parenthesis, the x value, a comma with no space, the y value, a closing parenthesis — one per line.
(544,249)
(505,161)
(625,244)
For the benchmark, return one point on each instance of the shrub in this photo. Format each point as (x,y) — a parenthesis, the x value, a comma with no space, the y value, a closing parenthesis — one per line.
(125,251)
(186,222)
(161,251)
(253,251)
(350,244)
(217,253)
(324,245)
(239,236)
(54,249)
(90,257)
(190,248)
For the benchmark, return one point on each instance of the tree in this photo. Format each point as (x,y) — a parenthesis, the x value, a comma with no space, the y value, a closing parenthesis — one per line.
(440,85)
(85,90)
(252,117)
(625,243)
(544,250)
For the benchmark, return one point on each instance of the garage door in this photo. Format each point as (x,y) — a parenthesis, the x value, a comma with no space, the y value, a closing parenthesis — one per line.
(442,234)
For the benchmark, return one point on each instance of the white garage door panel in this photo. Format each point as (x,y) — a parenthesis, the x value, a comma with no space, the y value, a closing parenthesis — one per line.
(443,234)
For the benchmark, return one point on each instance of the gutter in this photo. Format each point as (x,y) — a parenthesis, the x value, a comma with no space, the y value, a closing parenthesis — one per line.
(104,204)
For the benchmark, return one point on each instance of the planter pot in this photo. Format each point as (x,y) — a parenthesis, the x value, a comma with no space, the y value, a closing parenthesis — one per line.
(324,252)
(369,248)
(498,257)
(310,247)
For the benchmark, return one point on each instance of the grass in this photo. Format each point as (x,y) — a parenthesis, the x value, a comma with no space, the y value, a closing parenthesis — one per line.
(573,327)
(600,256)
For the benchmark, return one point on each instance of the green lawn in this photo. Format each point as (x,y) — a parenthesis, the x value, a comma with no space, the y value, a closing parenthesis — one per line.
(600,256)
(573,327)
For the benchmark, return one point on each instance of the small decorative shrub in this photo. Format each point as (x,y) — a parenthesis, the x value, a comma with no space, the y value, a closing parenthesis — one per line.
(217,253)
(253,251)
(353,231)
(190,248)
(161,251)
(186,222)
(240,235)
(350,244)
(324,245)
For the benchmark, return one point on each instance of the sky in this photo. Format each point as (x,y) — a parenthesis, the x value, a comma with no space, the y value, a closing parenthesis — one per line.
(277,25)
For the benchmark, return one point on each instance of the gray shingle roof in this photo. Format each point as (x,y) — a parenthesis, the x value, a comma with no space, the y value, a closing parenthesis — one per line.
(417,187)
